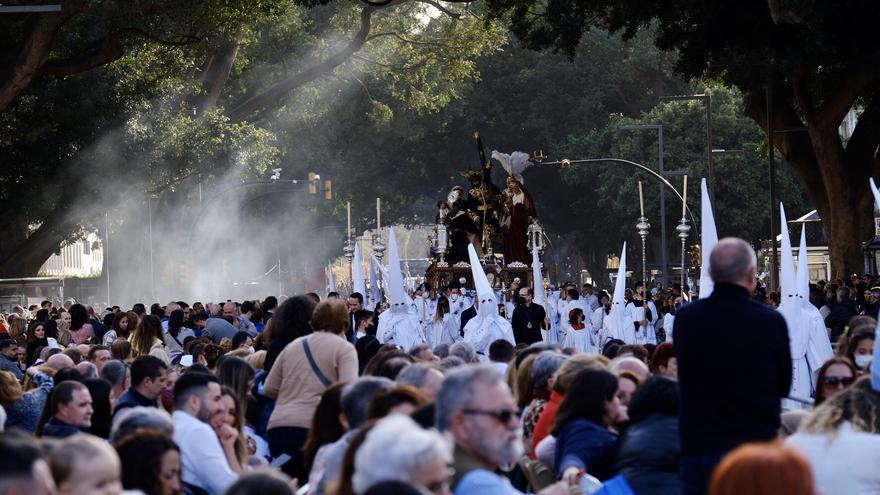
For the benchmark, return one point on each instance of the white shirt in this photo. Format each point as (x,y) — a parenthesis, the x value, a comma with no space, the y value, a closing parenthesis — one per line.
(202,460)
(843,464)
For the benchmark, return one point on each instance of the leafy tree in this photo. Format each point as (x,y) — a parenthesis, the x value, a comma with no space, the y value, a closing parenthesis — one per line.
(609,191)
(190,93)
(818,59)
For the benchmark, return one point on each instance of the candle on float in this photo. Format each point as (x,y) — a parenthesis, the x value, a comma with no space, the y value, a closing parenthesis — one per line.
(348,224)
(684,197)
(378,213)
(641,200)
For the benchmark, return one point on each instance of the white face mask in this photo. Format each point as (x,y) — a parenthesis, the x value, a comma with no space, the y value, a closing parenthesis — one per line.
(453,298)
(863,360)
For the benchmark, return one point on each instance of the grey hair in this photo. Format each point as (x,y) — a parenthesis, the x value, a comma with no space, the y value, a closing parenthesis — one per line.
(357,395)
(450,362)
(731,260)
(87,369)
(457,391)
(115,372)
(414,374)
(544,366)
(441,350)
(131,419)
(463,350)
(399,459)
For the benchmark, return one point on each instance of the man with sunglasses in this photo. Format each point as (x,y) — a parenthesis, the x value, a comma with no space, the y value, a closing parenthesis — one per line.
(477,408)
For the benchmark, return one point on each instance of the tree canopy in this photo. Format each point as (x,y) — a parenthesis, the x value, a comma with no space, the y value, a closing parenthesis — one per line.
(818,59)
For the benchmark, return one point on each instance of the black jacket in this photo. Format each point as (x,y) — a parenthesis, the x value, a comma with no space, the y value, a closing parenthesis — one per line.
(649,454)
(523,316)
(839,317)
(466,316)
(734,367)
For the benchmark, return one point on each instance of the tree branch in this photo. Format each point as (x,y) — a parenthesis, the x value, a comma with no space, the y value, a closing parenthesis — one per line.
(108,49)
(281,89)
(863,142)
(34,51)
(441,8)
(390,66)
(408,41)
(800,95)
(835,108)
(185,39)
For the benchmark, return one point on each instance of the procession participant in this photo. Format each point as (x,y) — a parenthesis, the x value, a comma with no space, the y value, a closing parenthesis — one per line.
(426,306)
(798,329)
(643,313)
(617,324)
(399,325)
(726,403)
(487,326)
(458,303)
(578,337)
(528,318)
(589,297)
(436,328)
(510,299)
(818,344)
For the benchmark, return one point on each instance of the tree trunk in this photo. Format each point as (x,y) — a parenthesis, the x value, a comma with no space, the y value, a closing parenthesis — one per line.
(835,181)
(33,53)
(26,255)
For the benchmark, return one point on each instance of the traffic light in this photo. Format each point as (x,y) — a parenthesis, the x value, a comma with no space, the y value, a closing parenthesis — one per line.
(328,189)
(313,183)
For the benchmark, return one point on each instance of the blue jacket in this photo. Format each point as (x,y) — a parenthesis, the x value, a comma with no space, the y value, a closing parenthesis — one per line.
(585,445)
(59,429)
(132,398)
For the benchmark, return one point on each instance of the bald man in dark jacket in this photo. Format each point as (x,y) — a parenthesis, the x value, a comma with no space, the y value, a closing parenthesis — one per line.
(734,366)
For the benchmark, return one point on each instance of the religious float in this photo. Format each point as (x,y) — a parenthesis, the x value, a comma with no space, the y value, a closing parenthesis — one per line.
(501,224)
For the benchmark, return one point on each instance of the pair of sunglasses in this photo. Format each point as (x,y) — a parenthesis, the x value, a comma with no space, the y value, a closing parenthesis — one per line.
(833,381)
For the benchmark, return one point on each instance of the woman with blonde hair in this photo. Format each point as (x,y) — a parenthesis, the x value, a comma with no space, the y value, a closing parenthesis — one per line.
(147,339)
(303,370)
(840,439)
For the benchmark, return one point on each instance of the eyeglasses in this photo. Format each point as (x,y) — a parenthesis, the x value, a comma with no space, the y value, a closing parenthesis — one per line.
(834,381)
(501,415)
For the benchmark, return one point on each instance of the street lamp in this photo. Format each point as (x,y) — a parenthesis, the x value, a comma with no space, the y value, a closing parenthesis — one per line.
(664,248)
(707,101)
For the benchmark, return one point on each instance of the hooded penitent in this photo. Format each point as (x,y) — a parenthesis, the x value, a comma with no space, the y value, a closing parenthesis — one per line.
(793,312)
(398,324)
(375,292)
(357,272)
(819,346)
(488,326)
(537,279)
(331,279)
(708,240)
(616,324)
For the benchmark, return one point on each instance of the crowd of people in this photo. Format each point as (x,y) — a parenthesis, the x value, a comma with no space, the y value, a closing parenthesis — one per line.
(446,390)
